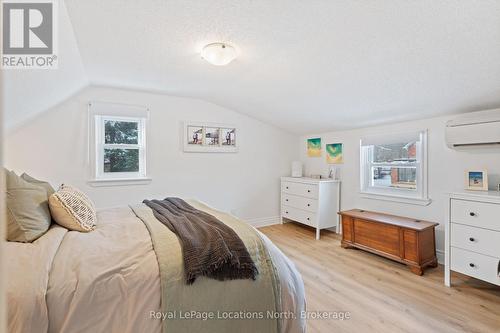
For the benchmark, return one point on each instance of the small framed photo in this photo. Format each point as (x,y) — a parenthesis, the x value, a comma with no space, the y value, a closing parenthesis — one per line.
(228,137)
(194,135)
(476,180)
(212,136)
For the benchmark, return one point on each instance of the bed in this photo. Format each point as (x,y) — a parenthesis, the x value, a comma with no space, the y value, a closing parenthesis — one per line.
(110,280)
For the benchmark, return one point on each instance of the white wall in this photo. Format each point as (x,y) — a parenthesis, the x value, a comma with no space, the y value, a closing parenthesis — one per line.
(53,147)
(446,169)
(30,92)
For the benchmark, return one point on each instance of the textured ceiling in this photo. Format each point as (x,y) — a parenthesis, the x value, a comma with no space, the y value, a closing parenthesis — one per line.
(305,66)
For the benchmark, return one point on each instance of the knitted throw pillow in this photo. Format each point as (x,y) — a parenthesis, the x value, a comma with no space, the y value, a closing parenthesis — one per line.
(73,209)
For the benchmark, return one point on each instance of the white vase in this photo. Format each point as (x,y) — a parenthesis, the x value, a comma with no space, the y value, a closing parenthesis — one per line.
(297,169)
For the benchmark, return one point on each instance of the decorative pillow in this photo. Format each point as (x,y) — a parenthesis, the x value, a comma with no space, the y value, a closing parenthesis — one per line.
(72,209)
(28,215)
(50,190)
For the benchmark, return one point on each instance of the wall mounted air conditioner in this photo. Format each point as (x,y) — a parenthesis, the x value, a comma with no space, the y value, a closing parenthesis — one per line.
(474,129)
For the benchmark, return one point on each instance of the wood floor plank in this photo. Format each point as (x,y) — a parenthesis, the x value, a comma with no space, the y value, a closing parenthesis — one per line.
(382,295)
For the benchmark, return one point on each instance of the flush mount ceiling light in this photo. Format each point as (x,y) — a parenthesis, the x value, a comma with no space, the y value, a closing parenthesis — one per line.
(218,54)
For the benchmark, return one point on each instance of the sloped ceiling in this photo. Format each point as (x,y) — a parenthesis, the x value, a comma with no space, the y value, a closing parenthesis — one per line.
(305,66)
(29,92)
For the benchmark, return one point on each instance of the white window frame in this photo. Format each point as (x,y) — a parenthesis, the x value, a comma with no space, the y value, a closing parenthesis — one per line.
(417,196)
(97,145)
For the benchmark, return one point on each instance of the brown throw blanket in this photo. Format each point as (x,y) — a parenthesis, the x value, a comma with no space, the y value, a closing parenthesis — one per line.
(209,247)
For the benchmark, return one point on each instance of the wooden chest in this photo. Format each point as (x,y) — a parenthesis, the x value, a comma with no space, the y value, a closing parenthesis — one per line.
(406,240)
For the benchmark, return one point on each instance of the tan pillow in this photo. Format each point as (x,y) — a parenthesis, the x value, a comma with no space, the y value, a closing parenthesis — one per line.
(72,209)
(28,215)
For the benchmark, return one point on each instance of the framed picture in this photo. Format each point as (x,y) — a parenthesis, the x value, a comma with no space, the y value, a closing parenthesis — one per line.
(476,180)
(314,147)
(228,137)
(194,135)
(334,153)
(209,138)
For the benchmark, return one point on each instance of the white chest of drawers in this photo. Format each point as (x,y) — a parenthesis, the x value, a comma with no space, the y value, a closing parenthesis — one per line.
(473,236)
(314,202)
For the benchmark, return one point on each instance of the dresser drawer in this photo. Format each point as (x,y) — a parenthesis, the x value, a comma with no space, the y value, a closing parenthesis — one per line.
(476,214)
(300,202)
(475,239)
(304,190)
(299,215)
(476,265)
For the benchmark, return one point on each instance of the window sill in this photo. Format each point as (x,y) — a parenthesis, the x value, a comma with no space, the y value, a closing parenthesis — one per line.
(396,198)
(119,182)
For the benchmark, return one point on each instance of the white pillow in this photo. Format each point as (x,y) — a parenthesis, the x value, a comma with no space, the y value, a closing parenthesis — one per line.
(72,209)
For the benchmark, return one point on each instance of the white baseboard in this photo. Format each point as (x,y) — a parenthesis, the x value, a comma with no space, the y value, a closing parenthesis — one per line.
(263,221)
(440,256)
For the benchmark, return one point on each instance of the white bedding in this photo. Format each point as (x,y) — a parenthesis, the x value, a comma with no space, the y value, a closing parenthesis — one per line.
(106,280)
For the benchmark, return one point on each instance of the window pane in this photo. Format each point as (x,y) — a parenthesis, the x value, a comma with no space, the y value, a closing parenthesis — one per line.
(121,160)
(121,132)
(394,177)
(395,152)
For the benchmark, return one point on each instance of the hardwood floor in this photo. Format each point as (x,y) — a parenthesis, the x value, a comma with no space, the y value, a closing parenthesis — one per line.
(382,295)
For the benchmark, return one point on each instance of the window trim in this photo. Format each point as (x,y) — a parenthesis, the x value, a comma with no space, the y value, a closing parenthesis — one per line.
(419,196)
(97,144)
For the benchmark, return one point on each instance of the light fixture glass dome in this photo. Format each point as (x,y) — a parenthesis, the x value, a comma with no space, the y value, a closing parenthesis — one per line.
(218,54)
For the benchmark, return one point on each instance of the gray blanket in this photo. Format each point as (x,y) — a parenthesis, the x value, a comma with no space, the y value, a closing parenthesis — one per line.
(209,247)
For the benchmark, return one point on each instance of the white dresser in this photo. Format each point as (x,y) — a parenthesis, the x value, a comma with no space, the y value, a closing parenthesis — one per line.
(314,202)
(473,236)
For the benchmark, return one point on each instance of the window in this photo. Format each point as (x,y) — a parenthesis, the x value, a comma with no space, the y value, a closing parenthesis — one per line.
(395,167)
(119,149)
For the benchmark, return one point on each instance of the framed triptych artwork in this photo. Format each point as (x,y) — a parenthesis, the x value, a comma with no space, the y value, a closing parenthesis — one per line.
(210,138)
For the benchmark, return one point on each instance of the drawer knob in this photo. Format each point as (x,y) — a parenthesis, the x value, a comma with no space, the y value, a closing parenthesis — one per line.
(286,199)
(472,214)
(308,219)
(308,191)
(287,187)
(286,212)
(472,265)
(472,239)
(308,205)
